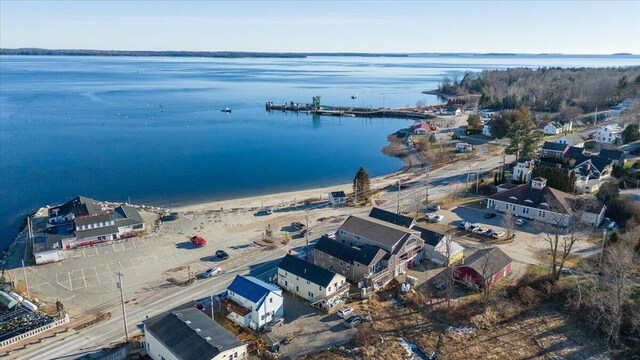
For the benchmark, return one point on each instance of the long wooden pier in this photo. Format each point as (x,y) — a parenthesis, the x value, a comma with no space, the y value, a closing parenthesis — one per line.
(402,113)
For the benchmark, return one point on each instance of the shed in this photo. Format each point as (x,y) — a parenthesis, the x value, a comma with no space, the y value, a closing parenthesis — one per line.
(483,268)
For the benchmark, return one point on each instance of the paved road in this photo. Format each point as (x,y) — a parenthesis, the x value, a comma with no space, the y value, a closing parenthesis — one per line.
(257,263)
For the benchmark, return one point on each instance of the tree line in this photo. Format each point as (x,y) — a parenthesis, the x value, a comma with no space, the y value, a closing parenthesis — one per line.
(548,89)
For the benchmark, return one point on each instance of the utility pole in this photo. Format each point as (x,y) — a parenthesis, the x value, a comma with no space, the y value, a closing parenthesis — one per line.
(604,238)
(26,283)
(355,191)
(124,313)
(306,235)
(426,198)
(477,180)
(398,208)
(212,315)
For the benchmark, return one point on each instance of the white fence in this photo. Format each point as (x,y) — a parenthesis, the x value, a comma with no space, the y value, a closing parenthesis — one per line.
(35,332)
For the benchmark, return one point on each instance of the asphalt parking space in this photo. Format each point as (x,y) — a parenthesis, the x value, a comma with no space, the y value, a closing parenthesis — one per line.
(314,330)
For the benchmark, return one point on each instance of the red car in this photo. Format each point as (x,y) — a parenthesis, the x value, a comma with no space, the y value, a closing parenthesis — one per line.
(199,241)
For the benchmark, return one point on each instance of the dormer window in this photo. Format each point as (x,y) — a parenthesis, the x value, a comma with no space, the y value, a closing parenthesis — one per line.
(528,201)
(513,198)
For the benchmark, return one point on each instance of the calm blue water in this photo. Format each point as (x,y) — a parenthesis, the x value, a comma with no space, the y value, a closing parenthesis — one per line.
(94,126)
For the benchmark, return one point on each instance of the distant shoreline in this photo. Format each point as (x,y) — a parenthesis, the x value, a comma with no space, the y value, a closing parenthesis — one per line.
(266,55)
(206,54)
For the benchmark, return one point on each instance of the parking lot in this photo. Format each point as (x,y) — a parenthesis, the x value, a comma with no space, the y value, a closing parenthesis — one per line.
(525,249)
(314,330)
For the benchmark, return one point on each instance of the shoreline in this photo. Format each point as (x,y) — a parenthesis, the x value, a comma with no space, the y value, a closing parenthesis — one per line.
(285,198)
(274,199)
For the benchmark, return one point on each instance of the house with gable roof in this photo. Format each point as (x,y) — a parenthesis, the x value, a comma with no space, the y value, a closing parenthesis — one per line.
(189,334)
(251,303)
(537,201)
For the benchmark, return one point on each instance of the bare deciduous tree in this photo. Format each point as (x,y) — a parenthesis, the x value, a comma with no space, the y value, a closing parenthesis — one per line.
(561,238)
(613,290)
(508,222)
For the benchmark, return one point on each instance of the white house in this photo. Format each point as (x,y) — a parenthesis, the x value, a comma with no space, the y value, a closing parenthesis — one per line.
(609,134)
(309,281)
(591,173)
(555,128)
(486,128)
(337,198)
(252,303)
(537,201)
(440,248)
(189,334)
(523,170)
(463,147)
(574,140)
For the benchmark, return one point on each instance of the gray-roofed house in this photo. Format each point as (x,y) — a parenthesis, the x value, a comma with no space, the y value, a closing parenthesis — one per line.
(309,281)
(48,241)
(77,207)
(337,198)
(365,263)
(189,334)
(572,140)
(404,246)
(591,172)
(391,217)
(539,202)
(440,248)
(553,150)
(122,222)
(483,268)
(617,156)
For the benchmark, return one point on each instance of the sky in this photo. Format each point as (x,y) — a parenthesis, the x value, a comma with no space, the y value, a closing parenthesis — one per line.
(570,27)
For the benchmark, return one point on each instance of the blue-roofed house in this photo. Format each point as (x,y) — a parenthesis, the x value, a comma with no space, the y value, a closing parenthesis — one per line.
(252,303)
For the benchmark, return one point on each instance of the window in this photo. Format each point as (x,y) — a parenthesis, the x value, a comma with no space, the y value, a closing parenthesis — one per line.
(270,300)
(341,263)
(308,282)
(297,288)
(357,237)
(331,258)
(320,288)
(348,266)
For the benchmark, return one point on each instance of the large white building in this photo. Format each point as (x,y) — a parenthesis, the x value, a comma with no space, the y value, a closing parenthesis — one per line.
(537,201)
(189,334)
(574,140)
(609,134)
(252,303)
(309,281)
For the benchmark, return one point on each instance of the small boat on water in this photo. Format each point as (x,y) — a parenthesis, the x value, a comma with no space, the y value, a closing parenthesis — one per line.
(227,110)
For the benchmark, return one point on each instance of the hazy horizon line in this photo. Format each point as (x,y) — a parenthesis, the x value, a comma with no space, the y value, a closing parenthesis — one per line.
(328,52)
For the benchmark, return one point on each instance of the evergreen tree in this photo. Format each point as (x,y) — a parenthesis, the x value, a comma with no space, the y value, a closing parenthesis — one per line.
(361,186)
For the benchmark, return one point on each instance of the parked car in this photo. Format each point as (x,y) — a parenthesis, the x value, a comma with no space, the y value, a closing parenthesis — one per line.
(212,271)
(437,219)
(198,241)
(479,230)
(345,312)
(222,255)
(463,225)
(198,305)
(472,227)
(353,321)
(433,207)
(268,211)
(331,235)
(489,233)
(612,225)
(489,215)
(521,221)
(273,324)
(298,225)
(498,235)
